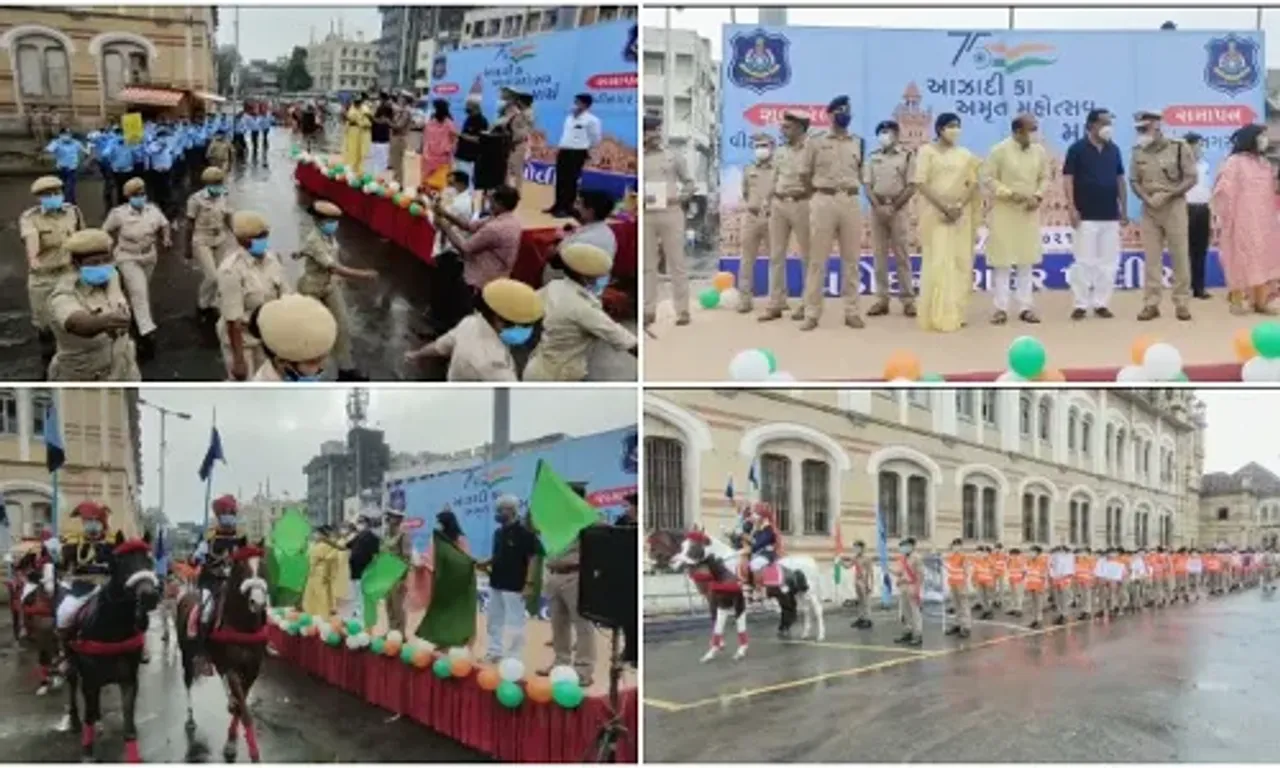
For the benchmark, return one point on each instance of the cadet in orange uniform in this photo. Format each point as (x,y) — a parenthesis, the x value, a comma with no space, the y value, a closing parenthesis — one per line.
(984,580)
(1037,582)
(1016,569)
(957,567)
(1180,589)
(1108,593)
(1155,589)
(1000,568)
(1085,583)
(1213,564)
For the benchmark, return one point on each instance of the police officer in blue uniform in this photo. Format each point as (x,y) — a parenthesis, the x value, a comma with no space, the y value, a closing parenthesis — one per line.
(121,162)
(160,161)
(67,151)
(100,141)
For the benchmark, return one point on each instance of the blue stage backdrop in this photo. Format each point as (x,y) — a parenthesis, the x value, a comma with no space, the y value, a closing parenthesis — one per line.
(605,461)
(554,67)
(1208,82)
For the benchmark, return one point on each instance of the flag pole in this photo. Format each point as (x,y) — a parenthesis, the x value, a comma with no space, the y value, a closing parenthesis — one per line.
(208,480)
(53,508)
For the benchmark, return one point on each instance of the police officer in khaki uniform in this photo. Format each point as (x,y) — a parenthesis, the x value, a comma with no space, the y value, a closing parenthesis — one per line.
(789,212)
(757,193)
(44,230)
(478,347)
(667,186)
(863,568)
(320,266)
(91,316)
(398,543)
(137,226)
(516,121)
(209,216)
(1164,170)
(887,178)
(909,584)
(573,317)
(220,153)
(835,214)
(248,278)
(297,334)
(573,638)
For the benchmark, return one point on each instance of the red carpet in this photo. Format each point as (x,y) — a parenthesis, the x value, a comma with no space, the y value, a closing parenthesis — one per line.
(1216,372)
(461,709)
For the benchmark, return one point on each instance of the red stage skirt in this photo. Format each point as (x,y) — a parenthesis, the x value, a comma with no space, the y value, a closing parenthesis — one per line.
(461,709)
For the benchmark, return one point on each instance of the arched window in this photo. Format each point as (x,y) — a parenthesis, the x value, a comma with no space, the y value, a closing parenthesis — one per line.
(1086,435)
(44,71)
(9,412)
(904,499)
(1115,525)
(1036,523)
(1073,416)
(123,63)
(989,409)
(979,516)
(1079,525)
(664,484)
(1024,415)
(815,496)
(41,400)
(1046,419)
(775,488)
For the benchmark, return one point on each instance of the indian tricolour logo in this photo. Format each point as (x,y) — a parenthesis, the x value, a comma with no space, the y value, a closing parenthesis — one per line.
(1012,59)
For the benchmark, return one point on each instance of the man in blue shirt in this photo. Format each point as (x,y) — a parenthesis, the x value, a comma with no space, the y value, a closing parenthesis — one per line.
(1097,201)
(160,161)
(241,132)
(121,160)
(66,153)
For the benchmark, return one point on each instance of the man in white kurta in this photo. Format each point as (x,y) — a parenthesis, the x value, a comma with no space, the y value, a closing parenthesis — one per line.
(1017,173)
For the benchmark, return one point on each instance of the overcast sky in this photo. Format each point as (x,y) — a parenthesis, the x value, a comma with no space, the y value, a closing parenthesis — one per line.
(1243,427)
(272,433)
(707,21)
(269,33)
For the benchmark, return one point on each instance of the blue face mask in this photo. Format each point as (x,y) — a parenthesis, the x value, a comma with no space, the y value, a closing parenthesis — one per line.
(51,203)
(138,201)
(215,190)
(842,119)
(599,285)
(515,335)
(290,374)
(329,227)
(258,246)
(227,521)
(92,528)
(97,275)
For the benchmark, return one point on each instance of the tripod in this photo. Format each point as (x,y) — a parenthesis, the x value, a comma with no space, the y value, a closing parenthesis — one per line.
(605,747)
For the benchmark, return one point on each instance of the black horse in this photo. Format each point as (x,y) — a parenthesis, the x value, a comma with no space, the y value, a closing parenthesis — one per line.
(236,645)
(107,644)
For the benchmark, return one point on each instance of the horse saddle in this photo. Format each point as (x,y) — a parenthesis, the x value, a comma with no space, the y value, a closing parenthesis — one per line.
(772,575)
(88,609)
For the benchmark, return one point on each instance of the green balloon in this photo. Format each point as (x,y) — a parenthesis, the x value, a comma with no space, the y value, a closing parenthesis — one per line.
(509,694)
(1266,338)
(773,361)
(406,654)
(333,638)
(354,627)
(1182,376)
(709,299)
(305,620)
(292,629)
(378,645)
(339,168)
(1027,357)
(566,694)
(415,210)
(932,377)
(441,668)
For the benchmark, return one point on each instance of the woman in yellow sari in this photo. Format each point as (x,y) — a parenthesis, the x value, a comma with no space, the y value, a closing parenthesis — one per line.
(949,210)
(359,136)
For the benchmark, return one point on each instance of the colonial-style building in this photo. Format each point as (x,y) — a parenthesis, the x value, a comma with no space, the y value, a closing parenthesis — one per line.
(100,437)
(1241,508)
(1054,467)
(74,59)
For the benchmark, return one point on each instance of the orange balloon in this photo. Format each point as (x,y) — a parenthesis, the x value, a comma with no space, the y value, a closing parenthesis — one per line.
(338,625)
(902,365)
(378,632)
(460,667)
(723,281)
(1140,346)
(1243,343)
(421,658)
(1051,374)
(488,678)
(391,649)
(538,689)
(405,201)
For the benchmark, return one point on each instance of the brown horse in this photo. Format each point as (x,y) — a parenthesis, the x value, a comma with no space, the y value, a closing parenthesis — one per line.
(236,645)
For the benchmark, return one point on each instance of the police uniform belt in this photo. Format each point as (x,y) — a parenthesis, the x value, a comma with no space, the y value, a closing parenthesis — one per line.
(792,198)
(836,190)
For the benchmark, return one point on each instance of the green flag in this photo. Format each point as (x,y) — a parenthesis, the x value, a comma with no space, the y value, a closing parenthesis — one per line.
(287,562)
(557,511)
(380,576)
(534,601)
(290,532)
(450,621)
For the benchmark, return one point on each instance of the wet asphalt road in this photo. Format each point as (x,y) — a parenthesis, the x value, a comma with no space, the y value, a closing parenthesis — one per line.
(1195,683)
(299,720)
(386,313)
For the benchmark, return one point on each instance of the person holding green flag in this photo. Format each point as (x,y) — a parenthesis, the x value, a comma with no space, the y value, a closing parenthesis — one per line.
(514,546)
(326,583)
(397,543)
(450,620)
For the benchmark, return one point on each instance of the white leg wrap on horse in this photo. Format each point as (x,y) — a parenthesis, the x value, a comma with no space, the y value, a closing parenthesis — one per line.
(742,631)
(815,607)
(717,634)
(206,605)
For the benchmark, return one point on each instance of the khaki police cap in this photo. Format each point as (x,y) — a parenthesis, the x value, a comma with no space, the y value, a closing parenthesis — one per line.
(134,186)
(1144,116)
(513,301)
(297,328)
(87,242)
(800,118)
(763,138)
(587,260)
(326,208)
(46,184)
(246,225)
(212,175)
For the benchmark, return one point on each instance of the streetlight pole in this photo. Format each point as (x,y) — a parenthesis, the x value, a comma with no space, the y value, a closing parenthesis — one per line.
(164,442)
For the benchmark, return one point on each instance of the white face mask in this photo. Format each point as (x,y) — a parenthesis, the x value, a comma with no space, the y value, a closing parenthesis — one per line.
(886,139)
(1105,132)
(951,134)
(1033,137)
(1144,139)
(1263,142)
(763,153)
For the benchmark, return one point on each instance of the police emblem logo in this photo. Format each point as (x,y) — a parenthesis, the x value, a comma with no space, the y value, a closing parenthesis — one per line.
(631,51)
(759,62)
(439,68)
(630,454)
(1231,64)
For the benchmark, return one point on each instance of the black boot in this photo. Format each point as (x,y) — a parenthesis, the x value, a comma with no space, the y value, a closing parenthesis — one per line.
(351,374)
(904,638)
(915,641)
(952,630)
(964,634)
(147,347)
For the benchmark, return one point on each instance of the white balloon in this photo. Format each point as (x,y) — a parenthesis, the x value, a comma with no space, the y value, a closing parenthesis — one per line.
(460,652)
(353,642)
(1162,362)
(781,376)
(1009,376)
(362,640)
(1260,369)
(394,187)
(665,313)
(563,673)
(511,670)
(730,297)
(395,636)
(749,365)
(1131,374)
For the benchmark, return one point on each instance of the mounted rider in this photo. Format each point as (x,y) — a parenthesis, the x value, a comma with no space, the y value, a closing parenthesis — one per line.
(213,556)
(765,547)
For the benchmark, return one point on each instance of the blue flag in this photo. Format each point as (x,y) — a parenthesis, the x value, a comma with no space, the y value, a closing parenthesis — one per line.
(882,548)
(751,478)
(54,454)
(728,489)
(213,454)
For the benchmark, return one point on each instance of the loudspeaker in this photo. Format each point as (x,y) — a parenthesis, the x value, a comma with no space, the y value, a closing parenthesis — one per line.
(609,570)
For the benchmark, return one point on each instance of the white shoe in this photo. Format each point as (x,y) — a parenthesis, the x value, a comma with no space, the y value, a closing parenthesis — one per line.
(710,654)
(740,654)
(43,689)
(64,725)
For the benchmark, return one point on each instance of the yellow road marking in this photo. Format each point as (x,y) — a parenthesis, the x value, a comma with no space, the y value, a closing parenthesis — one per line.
(666,706)
(856,647)
(1004,624)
